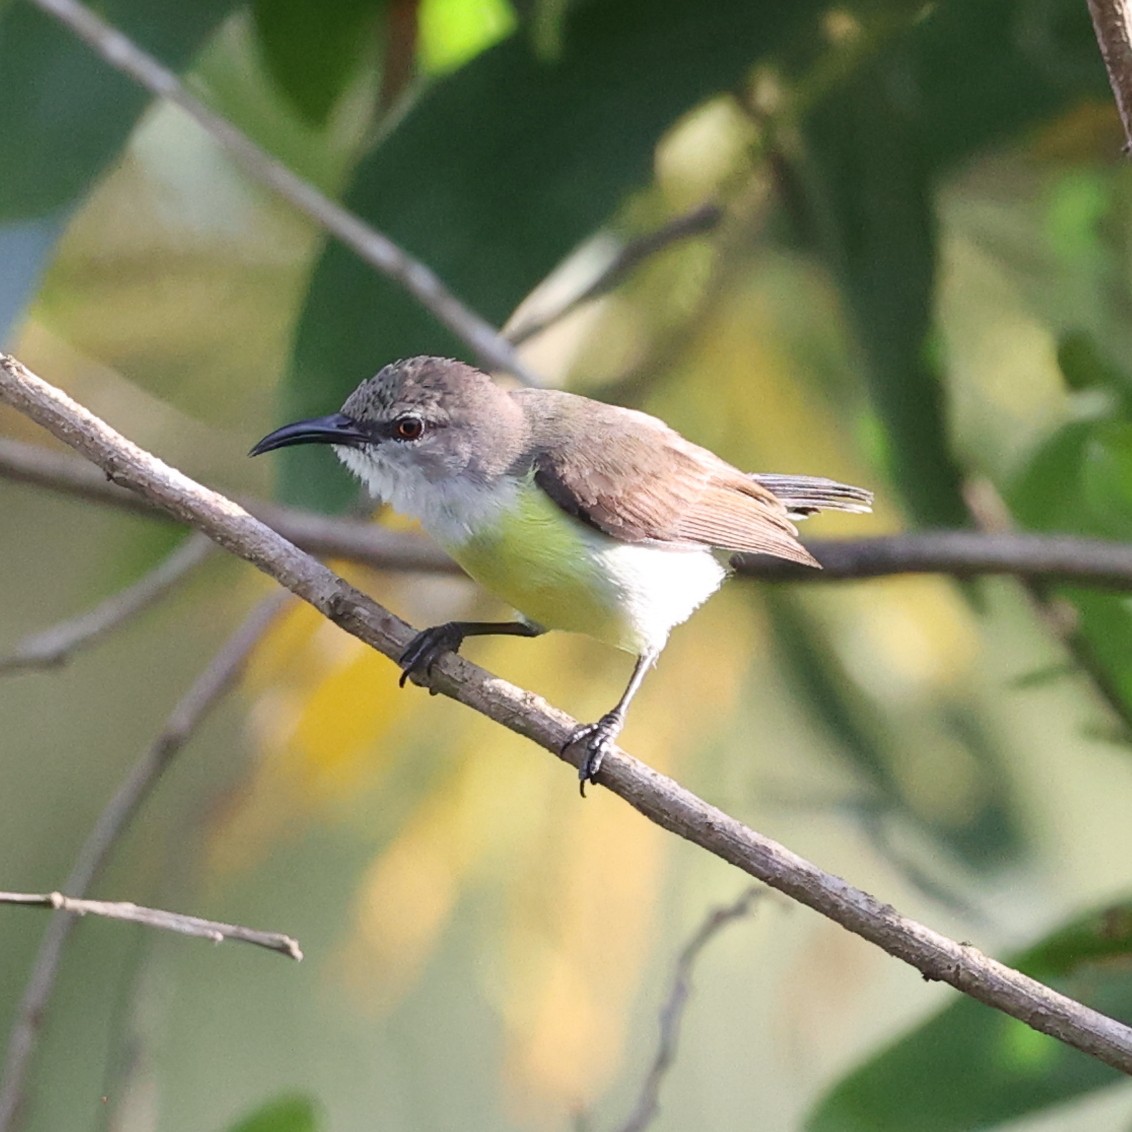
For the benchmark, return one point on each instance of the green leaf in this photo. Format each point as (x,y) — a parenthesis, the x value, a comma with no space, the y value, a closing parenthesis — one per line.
(499,170)
(313,51)
(973,1067)
(65,113)
(286,1114)
(1047,495)
(1106,477)
(965,75)
(1084,366)
(1080,481)
(871,191)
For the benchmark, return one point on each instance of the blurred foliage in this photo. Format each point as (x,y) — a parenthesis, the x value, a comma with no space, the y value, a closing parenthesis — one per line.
(292,1114)
(920,281)
(1007,1069)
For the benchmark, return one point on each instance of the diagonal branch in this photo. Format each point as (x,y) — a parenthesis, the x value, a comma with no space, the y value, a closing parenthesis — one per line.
(657,797)
(210,686)
(961,553)
(370,245)
(352,539)
(1093,562)
(1112,22)
(212,930)
(51,647)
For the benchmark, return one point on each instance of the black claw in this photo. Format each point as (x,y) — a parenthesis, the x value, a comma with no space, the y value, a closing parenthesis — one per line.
(598,738)
(427,647)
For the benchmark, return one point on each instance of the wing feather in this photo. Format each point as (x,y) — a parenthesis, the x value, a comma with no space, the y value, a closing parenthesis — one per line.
(645,483)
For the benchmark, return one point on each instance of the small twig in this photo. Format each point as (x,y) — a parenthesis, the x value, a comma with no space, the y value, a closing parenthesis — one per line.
(370,245)
(51,647)
(961,553)
(156,918)
(353,539)
(702,219)
(656,797)
(1112,22)
(1100,563)
(216,679)
(672,1013)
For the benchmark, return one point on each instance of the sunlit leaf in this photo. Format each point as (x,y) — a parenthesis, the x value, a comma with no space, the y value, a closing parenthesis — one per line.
(454,31)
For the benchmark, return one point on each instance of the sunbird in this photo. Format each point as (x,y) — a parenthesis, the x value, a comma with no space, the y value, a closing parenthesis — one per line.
(581,515)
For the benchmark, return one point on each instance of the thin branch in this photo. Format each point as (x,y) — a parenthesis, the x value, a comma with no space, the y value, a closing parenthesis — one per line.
(961,553)
(1099,563)
(353,539)
(1112,21)
(657,797)
(51,647)
(370,245)
(156,918)
(699,220)
(672,1014)
(210,686)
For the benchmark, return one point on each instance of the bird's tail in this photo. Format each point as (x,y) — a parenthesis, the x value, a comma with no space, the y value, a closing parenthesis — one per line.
(806,495)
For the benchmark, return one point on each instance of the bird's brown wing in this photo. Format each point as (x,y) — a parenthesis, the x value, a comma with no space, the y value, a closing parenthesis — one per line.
(645,483)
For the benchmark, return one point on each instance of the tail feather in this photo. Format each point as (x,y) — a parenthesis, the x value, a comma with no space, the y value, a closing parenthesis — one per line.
(806,495)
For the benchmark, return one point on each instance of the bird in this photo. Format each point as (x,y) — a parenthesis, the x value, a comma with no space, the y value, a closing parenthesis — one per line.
(582,515)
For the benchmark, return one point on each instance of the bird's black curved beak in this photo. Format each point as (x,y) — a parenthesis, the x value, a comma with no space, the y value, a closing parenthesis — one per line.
(334,429)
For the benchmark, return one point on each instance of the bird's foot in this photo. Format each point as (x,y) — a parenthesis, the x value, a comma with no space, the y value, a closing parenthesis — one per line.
(597,739)
(426,648)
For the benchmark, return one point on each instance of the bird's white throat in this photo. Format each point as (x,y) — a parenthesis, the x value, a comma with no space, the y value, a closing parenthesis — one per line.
(452,510)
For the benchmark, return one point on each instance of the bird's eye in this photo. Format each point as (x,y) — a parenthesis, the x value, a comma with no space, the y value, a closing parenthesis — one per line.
(408,428)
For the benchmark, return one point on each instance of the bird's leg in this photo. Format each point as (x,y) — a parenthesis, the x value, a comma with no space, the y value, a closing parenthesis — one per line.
(429,644)
(598,737)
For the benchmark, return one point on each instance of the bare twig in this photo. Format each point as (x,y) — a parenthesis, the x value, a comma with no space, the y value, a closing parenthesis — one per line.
(1112,21)
(156,918)
(186,716)
(352,539)
(965,554)
(672,1014)
(370,245)
(54,646)
(658,798)
(699,220)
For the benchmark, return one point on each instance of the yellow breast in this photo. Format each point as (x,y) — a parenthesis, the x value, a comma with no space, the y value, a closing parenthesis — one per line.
(562,573)
(546,564)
